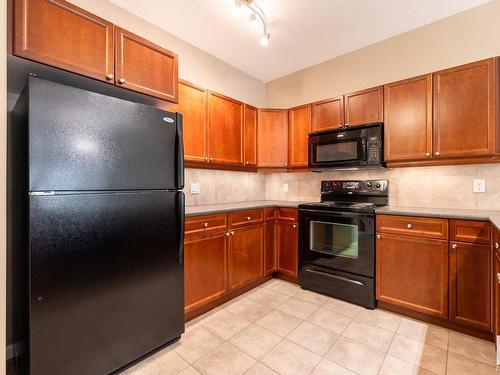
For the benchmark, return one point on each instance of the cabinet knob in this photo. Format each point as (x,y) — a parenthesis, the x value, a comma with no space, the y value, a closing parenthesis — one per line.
(121,81)
(232,233)
(437,153)
(341,126)
(109,77)
(378,236)
(294,226)
(409,226)
(246,163)
(346,125)
(498,277)
(206,159)
(205,225)
(285,164)
(248,218)
(428,154)
(454,246)
(227,234)
(211,159)
(496,245)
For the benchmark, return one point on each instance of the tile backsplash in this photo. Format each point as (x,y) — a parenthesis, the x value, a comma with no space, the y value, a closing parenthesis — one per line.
(444,187)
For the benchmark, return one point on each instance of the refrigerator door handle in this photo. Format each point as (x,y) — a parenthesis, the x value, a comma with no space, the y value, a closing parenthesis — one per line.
(180,153)
(181,218)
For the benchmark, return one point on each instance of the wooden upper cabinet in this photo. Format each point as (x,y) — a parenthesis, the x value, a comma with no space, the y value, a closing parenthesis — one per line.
(273,138)
(145,67)
(225,130)
(465,114)
(250,132)
(408,119)
(58,33)
(364,107)
(299,127)
(327,114)
(193,106)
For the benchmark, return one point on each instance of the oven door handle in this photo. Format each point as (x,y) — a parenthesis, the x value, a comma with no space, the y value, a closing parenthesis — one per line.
(335,276)
(333,214)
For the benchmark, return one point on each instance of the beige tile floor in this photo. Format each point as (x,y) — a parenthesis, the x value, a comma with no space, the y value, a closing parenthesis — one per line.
(279,328)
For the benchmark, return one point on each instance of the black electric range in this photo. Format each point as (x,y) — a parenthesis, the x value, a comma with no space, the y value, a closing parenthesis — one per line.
(337,240)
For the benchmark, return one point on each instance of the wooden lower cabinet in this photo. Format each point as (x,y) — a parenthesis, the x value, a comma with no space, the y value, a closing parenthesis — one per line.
(270,264)
(496,279)
(413,273)
(245,256)
(287,248)
(470,285)
(205,269)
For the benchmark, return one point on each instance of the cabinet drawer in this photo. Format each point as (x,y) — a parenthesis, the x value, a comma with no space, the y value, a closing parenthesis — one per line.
(205,224)
(246,217)
(287,214)
(269,214)
(470,231)
(413,226)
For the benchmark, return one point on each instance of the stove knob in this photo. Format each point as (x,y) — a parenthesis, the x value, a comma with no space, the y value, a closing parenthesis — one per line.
(377,185)
(369,184)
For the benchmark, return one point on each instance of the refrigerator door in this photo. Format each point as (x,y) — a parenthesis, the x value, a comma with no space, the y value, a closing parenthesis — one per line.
(107,279)
(81,140)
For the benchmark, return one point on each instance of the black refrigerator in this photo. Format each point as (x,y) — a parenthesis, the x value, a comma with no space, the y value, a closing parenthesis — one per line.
(97,219)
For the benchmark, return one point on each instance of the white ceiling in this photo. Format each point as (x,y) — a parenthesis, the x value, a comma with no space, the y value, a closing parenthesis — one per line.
(303,32)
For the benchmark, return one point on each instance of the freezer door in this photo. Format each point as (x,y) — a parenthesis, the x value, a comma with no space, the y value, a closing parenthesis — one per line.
(80,140)
(107,279)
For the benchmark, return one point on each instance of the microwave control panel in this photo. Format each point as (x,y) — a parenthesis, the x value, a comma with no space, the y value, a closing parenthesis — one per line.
(373,149)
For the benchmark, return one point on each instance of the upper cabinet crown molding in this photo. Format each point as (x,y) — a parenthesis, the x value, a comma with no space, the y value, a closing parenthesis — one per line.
(145,67)
(60,34)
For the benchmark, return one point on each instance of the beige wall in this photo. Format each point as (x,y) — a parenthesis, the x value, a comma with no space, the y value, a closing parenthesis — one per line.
(3,175)
(195,65)
(462,38)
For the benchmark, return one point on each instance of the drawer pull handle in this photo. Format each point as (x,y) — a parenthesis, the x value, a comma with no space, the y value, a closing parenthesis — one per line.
(454,246)
(498,277)
(496,245)
(294,226)
(205,225)
(409,226)
(249,218)
(379,236)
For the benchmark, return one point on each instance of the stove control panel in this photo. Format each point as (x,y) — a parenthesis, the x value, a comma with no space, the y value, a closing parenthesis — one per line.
(355,186)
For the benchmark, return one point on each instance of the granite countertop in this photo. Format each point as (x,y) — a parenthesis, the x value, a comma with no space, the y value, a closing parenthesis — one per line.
(227,207)
(450,213)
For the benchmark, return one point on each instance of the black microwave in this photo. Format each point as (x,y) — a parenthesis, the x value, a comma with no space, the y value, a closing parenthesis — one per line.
(356,148)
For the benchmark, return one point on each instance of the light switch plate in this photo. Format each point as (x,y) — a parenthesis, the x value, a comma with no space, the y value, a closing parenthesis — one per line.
(285,188)
(479,186)
(195,188)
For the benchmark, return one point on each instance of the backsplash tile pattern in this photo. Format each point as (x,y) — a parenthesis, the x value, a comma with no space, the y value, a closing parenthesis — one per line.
(439,187)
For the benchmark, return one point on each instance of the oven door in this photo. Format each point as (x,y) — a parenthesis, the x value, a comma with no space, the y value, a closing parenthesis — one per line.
(338,149)
(343,241)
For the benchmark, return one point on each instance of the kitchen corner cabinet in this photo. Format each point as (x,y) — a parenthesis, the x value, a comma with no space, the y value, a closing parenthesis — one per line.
(299,127)
(193,106)
(225,130)
(364,107)
(327,114)
(465,110)
(60,34)
(205,269)
(272,138)
(145,67)
(408,119)
(250,136)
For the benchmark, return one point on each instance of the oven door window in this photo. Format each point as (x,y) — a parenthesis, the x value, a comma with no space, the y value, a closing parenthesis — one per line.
(334,239)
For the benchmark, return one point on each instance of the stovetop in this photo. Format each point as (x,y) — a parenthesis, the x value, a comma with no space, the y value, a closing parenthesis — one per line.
(358,196)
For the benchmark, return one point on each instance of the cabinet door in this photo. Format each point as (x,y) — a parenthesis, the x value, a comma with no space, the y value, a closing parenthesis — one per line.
(225,130)
(270,248)
(408,119)
(245,256)
(287,248)
(145,67)
(193,106)
(496,280)
(60,34)
(273,138)
(364,107)
(413,273)
(250,131)
(299,127)
(327,114)
(470,285)
(465,114)
(205,269)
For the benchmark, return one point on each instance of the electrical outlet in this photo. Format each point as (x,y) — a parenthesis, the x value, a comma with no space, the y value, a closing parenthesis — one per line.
(285,188)
(195,188)
(479,186)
